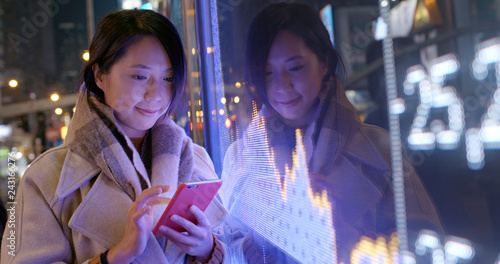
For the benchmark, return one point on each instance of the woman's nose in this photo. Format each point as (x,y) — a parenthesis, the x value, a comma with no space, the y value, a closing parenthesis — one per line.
(282,82)
(153,91)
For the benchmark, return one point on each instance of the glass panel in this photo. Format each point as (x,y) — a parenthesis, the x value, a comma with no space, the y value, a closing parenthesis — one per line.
(448,86)
(445,71)
(187,21)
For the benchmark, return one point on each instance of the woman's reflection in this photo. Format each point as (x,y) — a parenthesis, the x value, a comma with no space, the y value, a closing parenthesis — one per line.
(306,148)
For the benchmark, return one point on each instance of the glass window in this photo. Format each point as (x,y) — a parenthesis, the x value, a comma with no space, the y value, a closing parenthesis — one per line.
(442,77)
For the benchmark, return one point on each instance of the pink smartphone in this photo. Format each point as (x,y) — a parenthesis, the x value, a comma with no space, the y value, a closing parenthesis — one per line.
(190,193)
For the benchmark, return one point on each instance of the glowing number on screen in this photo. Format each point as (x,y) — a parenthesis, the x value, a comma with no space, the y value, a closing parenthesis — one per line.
(488,136)
(432,94)
(424,136)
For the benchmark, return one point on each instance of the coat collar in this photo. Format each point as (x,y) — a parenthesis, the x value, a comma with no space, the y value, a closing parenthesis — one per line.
(103,222)
(74,164)
(362,147)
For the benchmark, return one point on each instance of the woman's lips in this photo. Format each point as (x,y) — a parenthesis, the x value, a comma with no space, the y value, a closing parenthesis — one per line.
(289,103)
(147,112)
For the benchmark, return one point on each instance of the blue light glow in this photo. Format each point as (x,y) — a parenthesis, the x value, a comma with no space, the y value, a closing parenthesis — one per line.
(147,6)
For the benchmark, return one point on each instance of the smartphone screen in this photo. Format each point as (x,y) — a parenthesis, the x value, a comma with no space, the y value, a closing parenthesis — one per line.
(191,193)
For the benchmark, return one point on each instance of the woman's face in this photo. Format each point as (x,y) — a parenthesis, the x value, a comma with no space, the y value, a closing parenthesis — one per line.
(139,86)
(293,77)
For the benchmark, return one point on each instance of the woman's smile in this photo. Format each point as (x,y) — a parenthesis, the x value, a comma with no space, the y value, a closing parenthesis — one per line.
(147,112)
(289,102)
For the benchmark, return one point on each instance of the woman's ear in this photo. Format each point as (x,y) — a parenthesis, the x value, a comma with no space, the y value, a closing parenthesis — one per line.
(98,76)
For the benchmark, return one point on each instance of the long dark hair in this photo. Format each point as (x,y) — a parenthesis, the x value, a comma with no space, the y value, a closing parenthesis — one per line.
(116,31)
(299,19)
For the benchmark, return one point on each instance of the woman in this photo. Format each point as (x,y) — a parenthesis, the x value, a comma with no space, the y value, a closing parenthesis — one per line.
(293,71)
(96,198)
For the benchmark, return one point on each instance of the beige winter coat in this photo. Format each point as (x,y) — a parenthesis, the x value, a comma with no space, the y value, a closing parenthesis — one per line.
(69,210)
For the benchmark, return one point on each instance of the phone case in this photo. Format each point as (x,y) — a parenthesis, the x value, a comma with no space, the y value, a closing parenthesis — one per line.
(191,193)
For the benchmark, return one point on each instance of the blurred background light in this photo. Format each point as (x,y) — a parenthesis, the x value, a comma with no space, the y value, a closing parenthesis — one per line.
(422,141)
(459,247)
(86,55)
(428,240)
(13,83)
(415,74)
(489,54)
(474,149)
(147,6)
(54,97)
(445,65)
(448,139)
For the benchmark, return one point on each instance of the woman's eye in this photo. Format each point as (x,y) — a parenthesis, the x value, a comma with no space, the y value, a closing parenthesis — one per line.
(297,68)
(139,77)
(268,73)
(169,79)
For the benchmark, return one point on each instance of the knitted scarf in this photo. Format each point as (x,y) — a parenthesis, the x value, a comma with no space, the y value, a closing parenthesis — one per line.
(167,155)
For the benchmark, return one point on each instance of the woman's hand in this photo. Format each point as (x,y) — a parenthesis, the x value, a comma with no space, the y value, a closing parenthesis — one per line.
(198,241)
(139,225)
(319,182)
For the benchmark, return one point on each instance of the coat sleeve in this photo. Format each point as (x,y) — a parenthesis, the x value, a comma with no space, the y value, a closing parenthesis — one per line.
(35,235)
(204,167)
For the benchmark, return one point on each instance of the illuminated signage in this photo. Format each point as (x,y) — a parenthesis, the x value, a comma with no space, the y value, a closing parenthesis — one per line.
(446,133)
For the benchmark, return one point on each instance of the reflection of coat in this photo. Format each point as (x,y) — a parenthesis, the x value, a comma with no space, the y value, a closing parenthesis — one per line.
(357,178)
(69,210)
